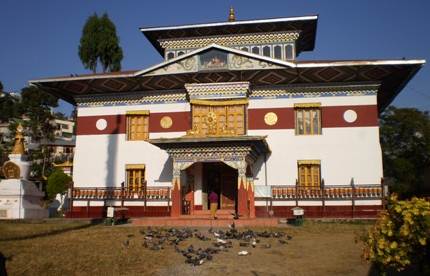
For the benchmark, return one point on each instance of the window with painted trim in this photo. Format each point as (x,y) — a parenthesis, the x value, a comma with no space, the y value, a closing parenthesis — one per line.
(135,177)
(267,51)
(244,49)
(256,50)
(277,50)
(137,125)
(289,52)
(309,174)
(170,55)
(307,119)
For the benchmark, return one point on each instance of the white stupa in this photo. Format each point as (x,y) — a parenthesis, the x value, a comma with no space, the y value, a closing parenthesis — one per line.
(19,197)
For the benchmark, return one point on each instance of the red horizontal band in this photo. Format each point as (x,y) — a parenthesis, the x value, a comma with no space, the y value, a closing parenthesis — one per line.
(331,116)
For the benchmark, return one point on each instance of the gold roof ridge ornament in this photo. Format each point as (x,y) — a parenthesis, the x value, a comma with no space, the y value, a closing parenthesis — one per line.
(18,147)
(231,16)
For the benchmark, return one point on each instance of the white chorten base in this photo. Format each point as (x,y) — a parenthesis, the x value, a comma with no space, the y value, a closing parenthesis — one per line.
(20,199)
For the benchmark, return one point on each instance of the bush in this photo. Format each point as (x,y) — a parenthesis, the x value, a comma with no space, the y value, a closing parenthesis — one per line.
(400,237)
(58,182)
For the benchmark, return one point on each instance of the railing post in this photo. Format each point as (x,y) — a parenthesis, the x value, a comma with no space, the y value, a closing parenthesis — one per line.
(144,196)
(323,197)
(122,194)
(296,194)
(71,199)
(353,197)
(168,200)
(271,200)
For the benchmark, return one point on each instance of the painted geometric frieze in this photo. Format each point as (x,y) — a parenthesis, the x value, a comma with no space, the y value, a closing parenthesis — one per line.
(209,153)
(295,92)
(135,98)
(230,40)
(217,90)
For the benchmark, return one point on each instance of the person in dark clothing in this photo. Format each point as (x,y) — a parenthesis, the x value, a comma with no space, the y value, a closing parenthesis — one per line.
(213,199)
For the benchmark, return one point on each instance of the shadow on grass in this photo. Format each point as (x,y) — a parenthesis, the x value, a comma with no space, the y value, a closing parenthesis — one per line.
(3,265)
(91,223)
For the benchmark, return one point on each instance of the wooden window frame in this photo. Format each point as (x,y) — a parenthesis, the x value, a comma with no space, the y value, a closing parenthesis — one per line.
(134,171)
(309,174)
(129,131)
(309,108)
(212,105)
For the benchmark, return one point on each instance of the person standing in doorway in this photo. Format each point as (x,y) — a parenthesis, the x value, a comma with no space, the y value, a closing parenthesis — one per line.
(213,199)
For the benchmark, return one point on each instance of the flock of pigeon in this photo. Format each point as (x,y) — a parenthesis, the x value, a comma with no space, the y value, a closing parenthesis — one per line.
(222,240)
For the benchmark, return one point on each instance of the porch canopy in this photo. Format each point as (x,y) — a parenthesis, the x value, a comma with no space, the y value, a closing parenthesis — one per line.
(235,151)
(238,152)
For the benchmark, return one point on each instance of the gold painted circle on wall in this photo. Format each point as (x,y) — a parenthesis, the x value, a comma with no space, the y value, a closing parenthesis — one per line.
(166,122)
(270,118)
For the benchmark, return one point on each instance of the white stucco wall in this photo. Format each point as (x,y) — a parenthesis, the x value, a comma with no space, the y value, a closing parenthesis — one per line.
(122,109)
(344,152)
(100,161)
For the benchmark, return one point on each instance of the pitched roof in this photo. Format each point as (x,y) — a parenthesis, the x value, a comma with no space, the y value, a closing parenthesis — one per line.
(307,25)
(393,75)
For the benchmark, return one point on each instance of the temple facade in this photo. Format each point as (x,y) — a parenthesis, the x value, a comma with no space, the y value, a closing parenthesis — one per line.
(232,109)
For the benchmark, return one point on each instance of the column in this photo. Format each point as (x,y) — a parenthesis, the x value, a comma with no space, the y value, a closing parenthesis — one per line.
(176,191)
(251,197)
(176,187)
(242,197)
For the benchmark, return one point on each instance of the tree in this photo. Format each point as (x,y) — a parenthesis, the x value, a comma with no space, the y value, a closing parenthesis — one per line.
(8,107)
(110,53)
(36,107)
(58,183)
(88,52)
(405,141)
(1,86)
(100,43)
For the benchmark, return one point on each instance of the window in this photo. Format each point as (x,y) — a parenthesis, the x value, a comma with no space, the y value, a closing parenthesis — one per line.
(289,52)
(309,174)
(180,53)
(308,119)
(170,55)
(278,51)
(266,51)
(256,50)
(217,118)
(244,49)
(137,125)
(135,177)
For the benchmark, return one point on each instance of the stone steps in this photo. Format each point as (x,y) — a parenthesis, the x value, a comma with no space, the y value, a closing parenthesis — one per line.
(190,221)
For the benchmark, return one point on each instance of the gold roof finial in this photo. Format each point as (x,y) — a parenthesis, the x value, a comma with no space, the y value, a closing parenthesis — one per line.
(231,16)
(18,148)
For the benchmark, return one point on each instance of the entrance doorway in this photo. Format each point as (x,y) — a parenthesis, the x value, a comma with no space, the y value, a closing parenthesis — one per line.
(221,179)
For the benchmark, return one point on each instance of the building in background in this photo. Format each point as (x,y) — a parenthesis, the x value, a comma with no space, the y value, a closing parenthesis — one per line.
(233,109)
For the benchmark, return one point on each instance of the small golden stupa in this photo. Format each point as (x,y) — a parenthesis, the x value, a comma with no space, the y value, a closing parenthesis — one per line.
(231,16)
(18,148)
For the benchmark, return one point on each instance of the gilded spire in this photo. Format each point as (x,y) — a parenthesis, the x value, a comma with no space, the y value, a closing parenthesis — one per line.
(231,16)
(18,148)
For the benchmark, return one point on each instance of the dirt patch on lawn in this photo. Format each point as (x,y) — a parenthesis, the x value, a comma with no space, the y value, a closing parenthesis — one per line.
(315,249)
